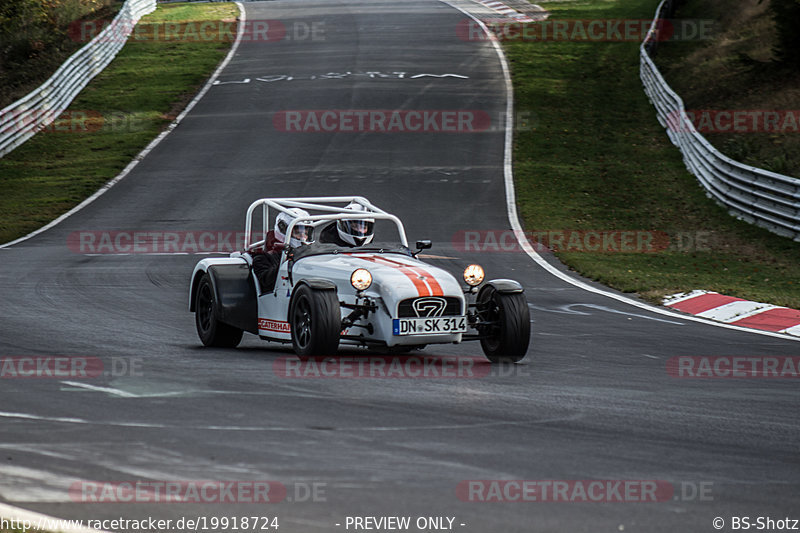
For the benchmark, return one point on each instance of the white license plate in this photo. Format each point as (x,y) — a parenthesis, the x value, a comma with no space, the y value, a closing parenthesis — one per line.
(429,326)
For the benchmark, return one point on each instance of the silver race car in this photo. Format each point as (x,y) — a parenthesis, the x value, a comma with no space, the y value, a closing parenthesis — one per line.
(326,294)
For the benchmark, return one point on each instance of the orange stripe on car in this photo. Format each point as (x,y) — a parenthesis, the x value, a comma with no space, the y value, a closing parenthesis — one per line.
(433,285)
(424,282)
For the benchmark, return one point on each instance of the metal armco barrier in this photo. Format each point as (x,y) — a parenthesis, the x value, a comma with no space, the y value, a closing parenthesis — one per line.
(758,196)
(22,119)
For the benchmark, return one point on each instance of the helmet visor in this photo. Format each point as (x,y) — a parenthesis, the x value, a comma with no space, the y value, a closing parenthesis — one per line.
(359,228)
(303,233)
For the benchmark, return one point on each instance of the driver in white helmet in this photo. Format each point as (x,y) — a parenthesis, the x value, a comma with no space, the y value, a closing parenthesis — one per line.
(301,233)
(265,265)
(350,233)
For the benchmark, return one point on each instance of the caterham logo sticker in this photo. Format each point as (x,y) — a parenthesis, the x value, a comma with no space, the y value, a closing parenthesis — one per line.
(429,306)
(273,325)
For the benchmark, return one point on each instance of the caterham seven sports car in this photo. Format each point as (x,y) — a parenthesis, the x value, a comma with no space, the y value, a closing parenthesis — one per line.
(379,294)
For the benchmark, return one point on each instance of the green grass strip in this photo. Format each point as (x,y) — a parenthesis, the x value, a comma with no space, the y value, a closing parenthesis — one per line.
(110,121)
(597,159)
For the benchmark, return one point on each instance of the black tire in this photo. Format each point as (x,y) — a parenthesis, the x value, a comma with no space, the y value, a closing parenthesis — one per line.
(211,331)
(316,321)
(507,329)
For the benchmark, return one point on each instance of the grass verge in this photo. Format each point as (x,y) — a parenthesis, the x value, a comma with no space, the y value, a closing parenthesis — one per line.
(111,121)
(739,57)
(598,160)
(35,39)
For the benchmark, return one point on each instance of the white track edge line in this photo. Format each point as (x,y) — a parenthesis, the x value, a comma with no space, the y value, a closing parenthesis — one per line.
(97,388)
(141,155)
(511,207)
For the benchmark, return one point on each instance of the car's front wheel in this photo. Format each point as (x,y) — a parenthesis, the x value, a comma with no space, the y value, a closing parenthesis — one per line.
(211,331)
(315,320)
(505,325)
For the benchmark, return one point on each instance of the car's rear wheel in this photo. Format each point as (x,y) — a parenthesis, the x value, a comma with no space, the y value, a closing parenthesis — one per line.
(505,325)
(315,320)
(211,331)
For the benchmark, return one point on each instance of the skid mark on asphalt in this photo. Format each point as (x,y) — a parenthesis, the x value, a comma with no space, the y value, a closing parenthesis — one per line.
(21,484)
(352,429)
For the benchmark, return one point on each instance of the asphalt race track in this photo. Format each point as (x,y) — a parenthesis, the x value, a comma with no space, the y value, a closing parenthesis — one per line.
(592,401)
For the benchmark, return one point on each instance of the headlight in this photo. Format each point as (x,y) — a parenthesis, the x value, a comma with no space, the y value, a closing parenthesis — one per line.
(361,279)
(473,275)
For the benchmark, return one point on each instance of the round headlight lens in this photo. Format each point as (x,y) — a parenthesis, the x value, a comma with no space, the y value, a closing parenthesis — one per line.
(473,275)
(361,279)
